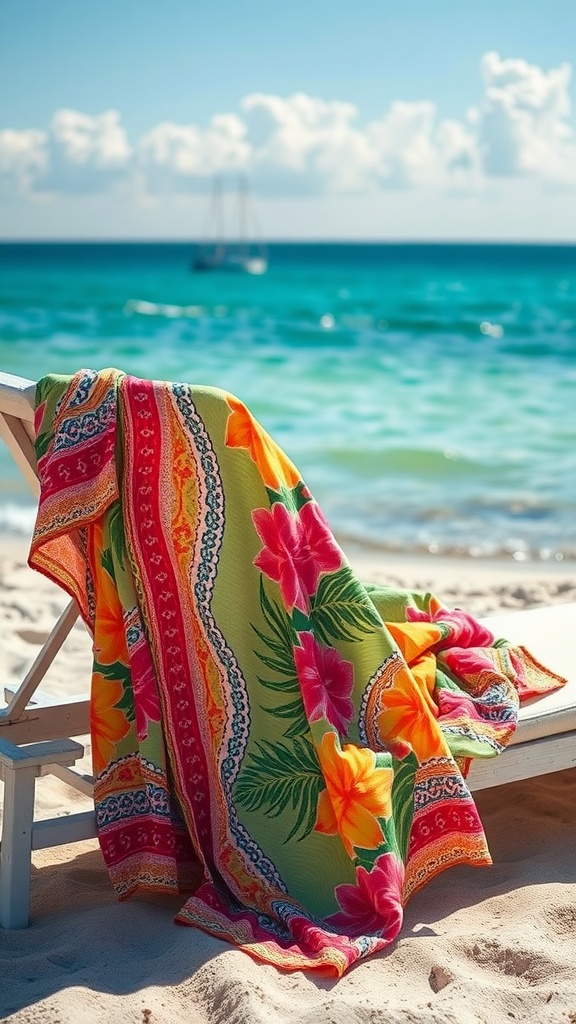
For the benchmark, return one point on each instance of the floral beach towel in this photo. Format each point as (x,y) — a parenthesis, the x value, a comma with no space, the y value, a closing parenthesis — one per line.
(281,744)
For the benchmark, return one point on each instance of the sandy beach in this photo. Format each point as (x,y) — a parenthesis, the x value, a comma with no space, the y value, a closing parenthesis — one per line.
(478,945)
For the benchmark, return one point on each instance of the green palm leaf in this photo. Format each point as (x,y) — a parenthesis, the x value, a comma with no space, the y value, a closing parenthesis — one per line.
(107,563)
(281,776)
(296,715)
(278,664)
(279,641)
(116,670)
(42,443)
(341,609)
(120,673)
(116,527)
(403,800)
(42,389)
(293,498)
(280,637)
(287,685)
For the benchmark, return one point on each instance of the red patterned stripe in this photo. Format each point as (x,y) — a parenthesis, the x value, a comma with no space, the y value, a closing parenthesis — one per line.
(144,514)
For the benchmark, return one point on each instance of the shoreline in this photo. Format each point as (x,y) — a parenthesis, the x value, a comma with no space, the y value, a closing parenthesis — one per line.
(21,537)
(16,545)
(479,586)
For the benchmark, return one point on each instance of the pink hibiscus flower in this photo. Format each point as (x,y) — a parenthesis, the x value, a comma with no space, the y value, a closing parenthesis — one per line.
(465,631)
(468,663)
(374,905)
(297,549)
(326,682)
(145,689)
(454,706)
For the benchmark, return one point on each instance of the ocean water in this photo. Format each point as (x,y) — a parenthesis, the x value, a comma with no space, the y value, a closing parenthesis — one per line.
(426,392)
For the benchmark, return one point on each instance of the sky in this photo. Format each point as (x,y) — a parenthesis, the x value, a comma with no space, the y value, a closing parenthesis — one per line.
(370,120)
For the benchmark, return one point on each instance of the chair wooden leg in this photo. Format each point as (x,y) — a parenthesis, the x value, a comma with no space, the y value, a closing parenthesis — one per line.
(15,850)
(19,769)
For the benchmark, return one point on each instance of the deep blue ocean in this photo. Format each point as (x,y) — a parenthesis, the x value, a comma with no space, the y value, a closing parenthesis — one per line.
(426,392)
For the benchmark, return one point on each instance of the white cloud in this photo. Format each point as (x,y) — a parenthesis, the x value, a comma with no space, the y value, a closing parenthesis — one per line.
(78,153)
(414,149)
(86,154)
(23,158)
(304,145)
(84,140)
(523,125)
(182,157)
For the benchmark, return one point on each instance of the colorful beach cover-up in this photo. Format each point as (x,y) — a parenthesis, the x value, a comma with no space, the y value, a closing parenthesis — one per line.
(278,742)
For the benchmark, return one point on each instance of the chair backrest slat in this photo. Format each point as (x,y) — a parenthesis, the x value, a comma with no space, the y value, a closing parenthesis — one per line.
(17,399)
(17,396)
(18,438)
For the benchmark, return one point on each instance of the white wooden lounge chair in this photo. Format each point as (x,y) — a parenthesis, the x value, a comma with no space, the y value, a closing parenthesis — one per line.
(36,732)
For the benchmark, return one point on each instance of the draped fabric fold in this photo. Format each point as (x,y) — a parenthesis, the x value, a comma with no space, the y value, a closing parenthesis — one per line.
(280,743)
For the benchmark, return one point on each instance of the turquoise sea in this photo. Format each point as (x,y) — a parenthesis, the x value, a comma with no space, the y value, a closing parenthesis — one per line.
(426,392)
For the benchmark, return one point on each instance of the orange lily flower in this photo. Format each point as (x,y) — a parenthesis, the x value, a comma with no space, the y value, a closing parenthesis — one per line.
(108,725)
(406,717)
(415,638)
(109,633)
(243,431)
(357,794)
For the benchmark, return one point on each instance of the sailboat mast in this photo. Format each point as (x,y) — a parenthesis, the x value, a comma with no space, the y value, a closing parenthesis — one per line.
(243,215)
(217,213)
(220,255)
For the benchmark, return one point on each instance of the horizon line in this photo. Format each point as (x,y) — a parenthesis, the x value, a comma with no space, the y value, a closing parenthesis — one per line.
(293,241)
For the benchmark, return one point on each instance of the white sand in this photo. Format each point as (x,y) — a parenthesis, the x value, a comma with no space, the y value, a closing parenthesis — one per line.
(478,945)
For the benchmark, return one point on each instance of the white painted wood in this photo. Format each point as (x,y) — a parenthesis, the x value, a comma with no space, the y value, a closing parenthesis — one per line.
(14,758)
(34,728)
(17,396)
(545,740)
(16,847)
(43,660)
(48,723)
(41,697)
(44,717)
(17,400)
(525,761)
(549,634)
(82,783)
(70,828)
(18,438)
(19,768)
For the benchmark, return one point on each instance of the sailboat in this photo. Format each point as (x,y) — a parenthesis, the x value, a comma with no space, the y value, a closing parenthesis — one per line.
(244,255)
